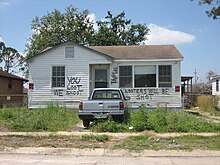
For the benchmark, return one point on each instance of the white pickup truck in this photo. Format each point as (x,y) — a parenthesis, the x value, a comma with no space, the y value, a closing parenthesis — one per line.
(102,104)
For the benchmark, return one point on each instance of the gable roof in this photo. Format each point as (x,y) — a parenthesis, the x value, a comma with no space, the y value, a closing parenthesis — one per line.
(214,78)
(131,52)
(9,75)
(148,52)
(68,43)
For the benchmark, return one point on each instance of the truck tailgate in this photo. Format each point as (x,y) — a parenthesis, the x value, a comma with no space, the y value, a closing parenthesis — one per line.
(93,105)
(101,106)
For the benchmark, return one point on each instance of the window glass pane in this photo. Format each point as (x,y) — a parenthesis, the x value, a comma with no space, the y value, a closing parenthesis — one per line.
(58,76)
(101,75)
(125,76)
(69,52)
(165,76)
(145,76)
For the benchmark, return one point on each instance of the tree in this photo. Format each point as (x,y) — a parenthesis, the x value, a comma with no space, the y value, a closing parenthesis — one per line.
(57,27)
(10,58)
(75,26)
(119,31)
(214,12)
(210,74)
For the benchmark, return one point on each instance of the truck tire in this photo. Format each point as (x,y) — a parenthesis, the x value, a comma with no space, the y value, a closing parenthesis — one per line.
(86,123)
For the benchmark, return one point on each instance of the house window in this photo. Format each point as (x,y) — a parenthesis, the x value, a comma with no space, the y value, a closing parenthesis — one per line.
(69,52)
(125,76)
(145,76)
(217,85)
(58,76)
(165,75)
(9,84)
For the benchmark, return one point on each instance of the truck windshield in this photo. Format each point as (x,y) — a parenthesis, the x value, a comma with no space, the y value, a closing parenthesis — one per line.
(106,94)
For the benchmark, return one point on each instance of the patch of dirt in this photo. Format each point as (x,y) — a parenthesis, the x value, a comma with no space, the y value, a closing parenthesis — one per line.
(53,141)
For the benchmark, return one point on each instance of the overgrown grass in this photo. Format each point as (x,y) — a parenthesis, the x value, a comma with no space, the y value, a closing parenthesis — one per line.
(189,143)
(159,121)
(52,118)
(205,102)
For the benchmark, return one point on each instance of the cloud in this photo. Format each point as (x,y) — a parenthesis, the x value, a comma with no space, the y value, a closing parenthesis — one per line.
(4,4)
(162,35)
(1,39)
(92,18)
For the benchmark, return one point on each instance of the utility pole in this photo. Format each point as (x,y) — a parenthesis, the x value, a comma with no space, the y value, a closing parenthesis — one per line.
(195,75)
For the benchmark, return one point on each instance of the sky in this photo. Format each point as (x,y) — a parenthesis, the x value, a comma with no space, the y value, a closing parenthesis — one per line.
(180,22)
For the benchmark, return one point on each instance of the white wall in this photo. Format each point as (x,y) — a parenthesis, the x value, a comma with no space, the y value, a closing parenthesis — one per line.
(214,92)
(40,72)
(151,96)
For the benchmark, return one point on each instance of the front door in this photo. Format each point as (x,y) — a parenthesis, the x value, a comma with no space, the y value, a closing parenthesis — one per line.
(101,80)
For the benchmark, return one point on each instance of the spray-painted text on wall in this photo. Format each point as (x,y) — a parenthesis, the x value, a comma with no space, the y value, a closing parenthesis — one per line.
(73,87)
(146,94)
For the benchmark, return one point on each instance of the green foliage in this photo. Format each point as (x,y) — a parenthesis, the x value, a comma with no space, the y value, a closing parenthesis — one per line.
(171,121)
(189,143)
(52,118)
(214,12)
(109,126)
(119,31)
(159,121)
(73,25)
(10,58)
(56,27)
(98,138)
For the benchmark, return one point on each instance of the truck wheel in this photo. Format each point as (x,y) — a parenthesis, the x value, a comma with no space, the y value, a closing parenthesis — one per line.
(86,123)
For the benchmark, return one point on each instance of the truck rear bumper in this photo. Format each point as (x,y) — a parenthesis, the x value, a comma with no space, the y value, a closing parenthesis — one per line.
(100,115)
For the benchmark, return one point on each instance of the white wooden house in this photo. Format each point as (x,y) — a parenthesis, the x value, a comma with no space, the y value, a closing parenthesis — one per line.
(67,73)
(215,80)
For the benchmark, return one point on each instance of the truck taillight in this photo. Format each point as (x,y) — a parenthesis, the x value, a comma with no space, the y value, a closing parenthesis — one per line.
(80,105)
(121,106)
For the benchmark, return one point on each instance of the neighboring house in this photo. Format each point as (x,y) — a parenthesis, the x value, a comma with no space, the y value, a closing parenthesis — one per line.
(11,89)
(67,73)
(215,80)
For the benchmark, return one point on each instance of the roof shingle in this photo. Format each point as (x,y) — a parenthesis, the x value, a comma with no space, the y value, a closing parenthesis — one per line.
(9,75)
(140,51)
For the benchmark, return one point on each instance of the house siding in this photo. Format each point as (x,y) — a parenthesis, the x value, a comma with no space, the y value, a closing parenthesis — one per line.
(151,97)
(214,90)
(11,96)
(79,79)
(76,76)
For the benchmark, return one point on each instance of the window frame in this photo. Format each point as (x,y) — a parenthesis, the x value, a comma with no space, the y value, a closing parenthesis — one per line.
(158,76)
(165,75)
(59,77)
(72,56)
(130,77)
(146,75)
(217,85)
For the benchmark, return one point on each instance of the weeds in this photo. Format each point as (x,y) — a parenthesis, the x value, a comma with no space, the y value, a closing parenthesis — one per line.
(159,121)
(98,138)
(52,118)
(189,143)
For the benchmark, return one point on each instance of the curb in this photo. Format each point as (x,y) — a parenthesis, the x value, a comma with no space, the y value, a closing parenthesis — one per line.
(108,152)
